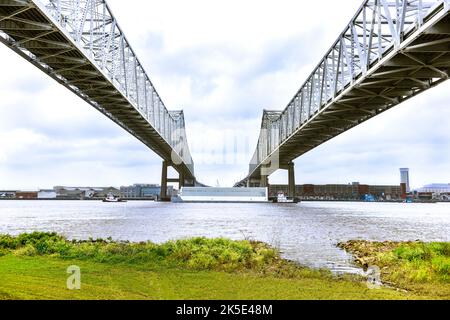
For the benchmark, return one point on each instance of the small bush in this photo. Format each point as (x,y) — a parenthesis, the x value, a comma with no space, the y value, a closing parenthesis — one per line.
(27,250)
(421,275)
(222,254)
(441,265)
(440,248)
(413,252)
(7,242)
(3,252)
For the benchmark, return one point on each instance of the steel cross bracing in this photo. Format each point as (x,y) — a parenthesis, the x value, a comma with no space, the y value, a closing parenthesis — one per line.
(391,51)
(80,44)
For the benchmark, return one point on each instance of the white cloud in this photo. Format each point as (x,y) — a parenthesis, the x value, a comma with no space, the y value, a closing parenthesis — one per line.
(222,62)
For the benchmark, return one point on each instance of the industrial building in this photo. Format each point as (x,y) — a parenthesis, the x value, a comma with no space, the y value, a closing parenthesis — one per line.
(47,194)
(145,191)
(7,194)
(434,191)
(26,195)
(79,193)
(353,191)
(137,191)
(437,188)
(404,178)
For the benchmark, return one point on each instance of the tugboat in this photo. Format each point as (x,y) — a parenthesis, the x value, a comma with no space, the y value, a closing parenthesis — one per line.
(283,199)
(112,198)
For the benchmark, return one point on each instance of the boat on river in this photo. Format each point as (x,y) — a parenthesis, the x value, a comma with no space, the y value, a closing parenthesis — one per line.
(112,198)
(281,198)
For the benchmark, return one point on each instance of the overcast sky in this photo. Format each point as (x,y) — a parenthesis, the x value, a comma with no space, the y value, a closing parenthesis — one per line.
(223,62)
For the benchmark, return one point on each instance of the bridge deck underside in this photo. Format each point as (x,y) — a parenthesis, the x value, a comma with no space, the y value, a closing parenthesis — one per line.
(422,64)
(55,54)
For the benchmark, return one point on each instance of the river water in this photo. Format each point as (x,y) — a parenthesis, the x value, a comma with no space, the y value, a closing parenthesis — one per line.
(307,232)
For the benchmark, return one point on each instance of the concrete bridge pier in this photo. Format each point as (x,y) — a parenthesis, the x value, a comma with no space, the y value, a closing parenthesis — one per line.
(163,193)
(182,181)
(264,182)
(291,179)
(290,167)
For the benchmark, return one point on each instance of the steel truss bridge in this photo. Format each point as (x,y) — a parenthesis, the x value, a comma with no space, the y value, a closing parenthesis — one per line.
(391,51)
(80,44)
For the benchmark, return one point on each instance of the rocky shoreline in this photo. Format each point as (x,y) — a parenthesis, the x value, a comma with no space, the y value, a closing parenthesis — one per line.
(412,266)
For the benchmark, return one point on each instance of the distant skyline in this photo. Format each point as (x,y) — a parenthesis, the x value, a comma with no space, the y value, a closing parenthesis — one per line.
(223,72)
(432,184)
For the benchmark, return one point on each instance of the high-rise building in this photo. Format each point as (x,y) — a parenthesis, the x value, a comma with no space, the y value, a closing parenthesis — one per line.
(404,178)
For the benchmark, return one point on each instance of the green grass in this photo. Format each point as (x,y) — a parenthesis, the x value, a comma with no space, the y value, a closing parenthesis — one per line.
(195,254)
(33,266)
(415,266)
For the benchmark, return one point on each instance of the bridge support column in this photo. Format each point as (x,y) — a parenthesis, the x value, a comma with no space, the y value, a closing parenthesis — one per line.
(264,182)
(291,177)
(181,181)
(163,194)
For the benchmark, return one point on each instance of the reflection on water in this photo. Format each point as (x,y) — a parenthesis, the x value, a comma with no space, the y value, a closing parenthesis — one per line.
(305,232)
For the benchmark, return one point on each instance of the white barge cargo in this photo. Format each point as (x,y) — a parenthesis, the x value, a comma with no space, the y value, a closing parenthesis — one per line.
(248,195)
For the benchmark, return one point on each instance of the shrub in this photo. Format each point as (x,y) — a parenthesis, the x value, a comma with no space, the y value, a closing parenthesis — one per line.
(3,252)
(421,275)
(413,252)
(7,242)
(441,265)
(440,248)
(223,254)
(196,253)
(27,250)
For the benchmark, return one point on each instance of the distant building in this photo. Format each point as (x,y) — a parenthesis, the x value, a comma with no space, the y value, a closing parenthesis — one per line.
(404,178)
(144,191)
(66,193)
(108,191)
(437,191)
(76,193)
(353,191)
(437,188)
(404,194)
(46,194)
(385,192)
(26,195)
(7,194)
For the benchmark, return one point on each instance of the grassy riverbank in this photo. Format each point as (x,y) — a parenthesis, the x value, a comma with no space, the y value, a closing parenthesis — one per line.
(33,266)
(417,267)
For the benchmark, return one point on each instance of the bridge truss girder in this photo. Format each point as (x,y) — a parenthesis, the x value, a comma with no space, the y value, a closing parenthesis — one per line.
(79,44)
(391,51)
